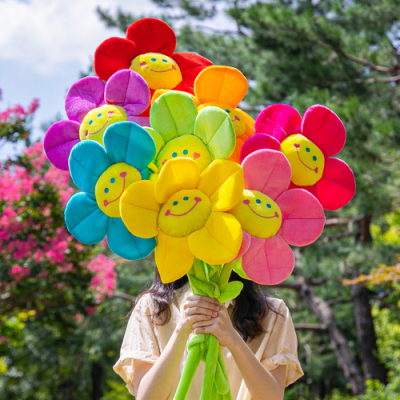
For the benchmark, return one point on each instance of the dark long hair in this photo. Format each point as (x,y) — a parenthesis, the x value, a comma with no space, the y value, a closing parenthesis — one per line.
(251,306)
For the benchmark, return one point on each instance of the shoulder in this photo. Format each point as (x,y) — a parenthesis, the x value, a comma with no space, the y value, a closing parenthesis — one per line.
(145,305)
(277,307)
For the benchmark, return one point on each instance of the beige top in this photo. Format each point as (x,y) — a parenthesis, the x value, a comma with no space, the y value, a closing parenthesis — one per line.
(145,341)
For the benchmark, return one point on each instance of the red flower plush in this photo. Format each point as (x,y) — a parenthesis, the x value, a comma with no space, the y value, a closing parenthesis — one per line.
(149,50)
(309,144)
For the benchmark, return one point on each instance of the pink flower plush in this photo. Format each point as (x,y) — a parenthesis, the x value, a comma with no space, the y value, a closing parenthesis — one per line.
(309,145)
(273,217)
(91,106)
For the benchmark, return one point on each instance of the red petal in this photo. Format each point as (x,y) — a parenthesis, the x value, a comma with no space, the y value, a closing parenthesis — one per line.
(337,185)
(257,142)
(112,55)
(279,121)
(246,240)
(183,88)
(324,128)
(303,218)
(152,35)
(191,65)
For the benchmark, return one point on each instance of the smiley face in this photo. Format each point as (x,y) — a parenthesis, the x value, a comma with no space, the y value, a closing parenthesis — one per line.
(259,215)
(187,146)
(97,120)
(184,213)
(236,118)
(158,70)
(112,184)
(305,158)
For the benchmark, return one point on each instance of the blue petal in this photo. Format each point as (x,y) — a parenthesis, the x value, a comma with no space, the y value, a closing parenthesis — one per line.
(126,245)
(87,161)
(85,220)
(145,173)
(128,142)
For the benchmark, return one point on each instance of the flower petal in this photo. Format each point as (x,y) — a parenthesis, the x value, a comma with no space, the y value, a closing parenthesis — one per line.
(83,96)
(177,174)
(267,171)
(112,55)
(191,65)
(303,218)
(259,141)
(219,84)
(152,35)
(222,182)
(324,128)
(139,209)
(173,114)
(246,241)
(279,121)
(173,257)
(126,245)
(268,261)
(129,90)
(219,241)
(158,140)
(214,127)
(130,143)
(337,185)
(58,142)
(85,220)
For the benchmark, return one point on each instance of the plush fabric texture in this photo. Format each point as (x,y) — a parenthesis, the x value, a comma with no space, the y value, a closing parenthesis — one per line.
(272,217)
(225,87)
(309,143)
(104,174)
(202,136)
(185,215)
(91,107)
(149,50)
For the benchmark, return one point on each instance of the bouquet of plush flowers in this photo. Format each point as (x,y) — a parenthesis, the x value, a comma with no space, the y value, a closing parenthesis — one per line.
(165,161)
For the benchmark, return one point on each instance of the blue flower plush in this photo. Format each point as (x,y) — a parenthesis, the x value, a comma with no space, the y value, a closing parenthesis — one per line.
(103,174)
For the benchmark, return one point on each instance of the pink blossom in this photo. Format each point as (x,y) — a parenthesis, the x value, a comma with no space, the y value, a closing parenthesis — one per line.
(19,272)
(104,280)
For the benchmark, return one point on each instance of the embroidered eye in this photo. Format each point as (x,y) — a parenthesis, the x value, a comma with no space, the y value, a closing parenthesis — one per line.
(186,198)
(228,111)
(164,60)
(314,158)
(106,190)
(153,59)
(174,154)
(269,205)
(112,180)
(185,152)
(307,149)
(175,203)
(99,115)
(258,201)
(90,122)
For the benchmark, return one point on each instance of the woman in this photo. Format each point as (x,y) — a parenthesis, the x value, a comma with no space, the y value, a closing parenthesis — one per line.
(256,332)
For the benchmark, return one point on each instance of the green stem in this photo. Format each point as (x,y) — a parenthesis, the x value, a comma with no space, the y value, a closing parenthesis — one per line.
(225,274)
(211,365)
(227,396)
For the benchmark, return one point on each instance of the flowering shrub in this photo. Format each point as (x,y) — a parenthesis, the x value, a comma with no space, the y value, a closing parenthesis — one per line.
(104,279)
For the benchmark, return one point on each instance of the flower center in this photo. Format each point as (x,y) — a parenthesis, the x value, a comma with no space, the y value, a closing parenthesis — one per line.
(259,215)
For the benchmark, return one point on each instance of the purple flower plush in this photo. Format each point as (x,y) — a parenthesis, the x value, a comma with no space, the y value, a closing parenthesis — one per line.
(91,106)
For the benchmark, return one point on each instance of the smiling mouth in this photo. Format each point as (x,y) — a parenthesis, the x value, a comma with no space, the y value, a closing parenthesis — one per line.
(93,133)
(123,176)
(143,64)
(236,119)
(196,199)
(296,146)
(247,202)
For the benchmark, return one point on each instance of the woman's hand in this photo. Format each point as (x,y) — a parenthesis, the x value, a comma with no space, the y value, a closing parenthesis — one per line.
(197,309)
(221,327)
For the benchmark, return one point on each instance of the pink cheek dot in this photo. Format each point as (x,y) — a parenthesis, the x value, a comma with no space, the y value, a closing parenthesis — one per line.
(122,174)
(105,202)
(246,202)
(196,155)
(142,64)
(296,145)
(111,113)
(197,199)
(167,213)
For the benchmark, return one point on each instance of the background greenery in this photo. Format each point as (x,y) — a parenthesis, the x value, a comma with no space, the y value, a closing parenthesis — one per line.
(345,55)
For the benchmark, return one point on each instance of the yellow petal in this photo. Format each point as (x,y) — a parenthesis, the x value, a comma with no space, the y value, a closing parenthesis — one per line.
(219,241)
(177,174)
(222,181)
(173,257)
(220,84)
(139,209)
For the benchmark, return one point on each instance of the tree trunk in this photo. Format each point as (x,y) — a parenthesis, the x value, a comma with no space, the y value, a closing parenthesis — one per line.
(97,374)
(345,357)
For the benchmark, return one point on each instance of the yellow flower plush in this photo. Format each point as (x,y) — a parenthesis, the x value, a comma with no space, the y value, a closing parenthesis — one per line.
(187,213)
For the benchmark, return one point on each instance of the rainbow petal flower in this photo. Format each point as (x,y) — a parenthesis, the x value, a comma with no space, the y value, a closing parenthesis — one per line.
(187,212)
(104,174)
(91,106)
(309,145)
(273,217)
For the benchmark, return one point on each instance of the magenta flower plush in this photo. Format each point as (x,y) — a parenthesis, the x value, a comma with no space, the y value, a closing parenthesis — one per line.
(91,106)
(272,217)
(309,145)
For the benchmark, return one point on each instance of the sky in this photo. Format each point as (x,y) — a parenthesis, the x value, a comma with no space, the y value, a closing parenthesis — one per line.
(45,44)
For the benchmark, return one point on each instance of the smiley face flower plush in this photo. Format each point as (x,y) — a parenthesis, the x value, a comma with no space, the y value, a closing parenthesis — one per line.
(273,217)
(104,174)
(225,87)
(92,106)
(149,50)
(181,131)
(187,212)
(309,145)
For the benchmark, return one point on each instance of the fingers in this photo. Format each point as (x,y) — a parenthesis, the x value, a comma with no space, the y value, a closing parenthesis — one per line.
(202,323)
(204,329)
(197,318)
(201,310)
(201,304)
(202,298)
